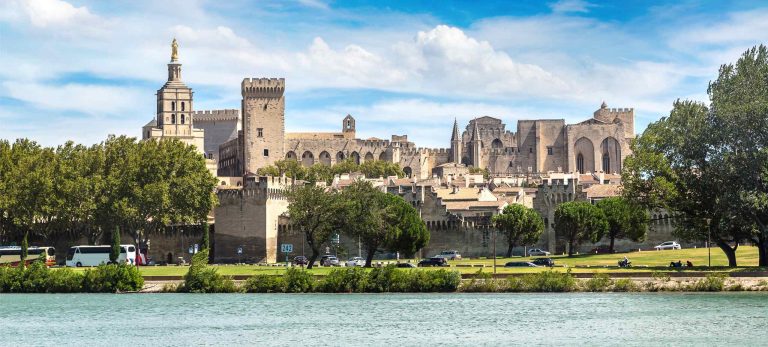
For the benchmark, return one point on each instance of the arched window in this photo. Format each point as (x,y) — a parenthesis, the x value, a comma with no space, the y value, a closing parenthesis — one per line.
(182,118)
(173,119)
(580,163)
(182,105)
(173,105)
(606,163)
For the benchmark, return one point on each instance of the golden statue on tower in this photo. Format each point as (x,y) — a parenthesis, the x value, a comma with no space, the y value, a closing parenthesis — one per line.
(174,50)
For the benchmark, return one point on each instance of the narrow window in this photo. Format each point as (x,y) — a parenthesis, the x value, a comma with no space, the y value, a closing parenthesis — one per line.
(606,163)
(173,105)
(182,105)
(580,163)
(266,152)
(182,117)
(549,150)
(530,150)
(173,119)
(259,132)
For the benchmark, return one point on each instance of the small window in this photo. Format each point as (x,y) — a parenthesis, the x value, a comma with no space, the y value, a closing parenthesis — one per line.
(266,152)
(182,119)
(173,105)
(549,150)
(173,119)
(265,107)
(182,105)
(530,150)
(260,132)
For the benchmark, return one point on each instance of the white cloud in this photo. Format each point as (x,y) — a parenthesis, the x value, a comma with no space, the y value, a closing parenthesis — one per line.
(88,99)
(314,4)
(45,13)
(565,6)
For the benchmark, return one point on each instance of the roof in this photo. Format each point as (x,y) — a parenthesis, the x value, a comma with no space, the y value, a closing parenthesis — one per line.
(603,190)
(472,205)
(447,194)
(152,123)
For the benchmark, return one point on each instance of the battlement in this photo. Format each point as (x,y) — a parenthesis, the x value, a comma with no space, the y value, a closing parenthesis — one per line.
(216,115)
(425,151)
(503,151)
(263,87)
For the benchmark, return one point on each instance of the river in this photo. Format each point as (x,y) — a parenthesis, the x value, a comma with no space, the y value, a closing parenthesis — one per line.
(384,319)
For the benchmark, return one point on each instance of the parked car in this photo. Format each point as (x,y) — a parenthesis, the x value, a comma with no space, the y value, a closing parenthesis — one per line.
(355,261)
(543,262)
(329,260)
(520,264)
(405,265)
(450,255)
(537,252)
(300,260)
(433,262)
(668,245)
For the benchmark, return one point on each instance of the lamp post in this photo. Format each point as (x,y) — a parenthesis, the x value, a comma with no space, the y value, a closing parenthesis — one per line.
(494,251)
(709,240)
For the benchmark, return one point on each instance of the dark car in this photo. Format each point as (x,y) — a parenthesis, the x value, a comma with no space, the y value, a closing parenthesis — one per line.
(405,265)
(433,262)
(544,262)
(520,264)
(300,260)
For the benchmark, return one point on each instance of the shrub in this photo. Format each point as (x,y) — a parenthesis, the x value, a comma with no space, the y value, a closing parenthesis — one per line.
(599,282)
(625,285)
(712,283)
(298,281)
(660,276)
(344,280)
(483,282)
(546,281)
(264,284)
(112,278)
(202,278)
(387,279)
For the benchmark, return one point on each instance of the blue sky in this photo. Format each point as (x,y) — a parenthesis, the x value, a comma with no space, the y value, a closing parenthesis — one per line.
(81,70)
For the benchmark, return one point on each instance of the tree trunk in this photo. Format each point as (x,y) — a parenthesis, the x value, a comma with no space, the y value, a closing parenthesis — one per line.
(570,248)
(729,252)
(762,251)
(509,249)
(313,257)
(613,239)
(369,256)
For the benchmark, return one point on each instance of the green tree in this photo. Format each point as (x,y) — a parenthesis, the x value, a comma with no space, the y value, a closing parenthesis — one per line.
(205,243)
(114,251)
(24,249)
(625,221)
(365,217)
(315,212)
(478,170)
(578,222)
(407,232)
(520,225)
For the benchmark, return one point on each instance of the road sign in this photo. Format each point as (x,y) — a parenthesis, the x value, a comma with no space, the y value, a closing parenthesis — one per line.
(335,239)
(239,250)
(286,248)
(190,250)
(197,248)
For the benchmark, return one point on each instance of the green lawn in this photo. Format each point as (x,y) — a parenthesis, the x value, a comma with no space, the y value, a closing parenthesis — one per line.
(642,261)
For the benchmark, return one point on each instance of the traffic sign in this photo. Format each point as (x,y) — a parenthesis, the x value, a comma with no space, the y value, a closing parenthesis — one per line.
(239,250)
(286,248)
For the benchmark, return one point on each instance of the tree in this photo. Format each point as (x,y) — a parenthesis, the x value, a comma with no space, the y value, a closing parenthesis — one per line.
(520,225)
(205,243)
(315,212)
(365,216)
(24,249)
(114,251)
(579,221)
(625,221)
(407,232)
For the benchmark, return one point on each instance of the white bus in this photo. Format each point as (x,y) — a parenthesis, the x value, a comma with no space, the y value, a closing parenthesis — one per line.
(78,256)
(11,255)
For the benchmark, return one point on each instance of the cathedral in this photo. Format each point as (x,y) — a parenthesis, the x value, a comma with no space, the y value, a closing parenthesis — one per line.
(237,143)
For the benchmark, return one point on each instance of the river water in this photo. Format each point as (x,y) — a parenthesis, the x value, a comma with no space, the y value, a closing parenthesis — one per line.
(384,319)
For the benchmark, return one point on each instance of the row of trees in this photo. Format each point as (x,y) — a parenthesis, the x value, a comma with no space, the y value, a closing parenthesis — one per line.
(75,191)
(576,222)
(709,163)
(379,220)
(325,173)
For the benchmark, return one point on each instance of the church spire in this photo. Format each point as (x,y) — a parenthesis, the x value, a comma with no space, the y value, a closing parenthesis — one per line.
(455,135)
(174,67)
(456,141)
(475,132)
(476,145)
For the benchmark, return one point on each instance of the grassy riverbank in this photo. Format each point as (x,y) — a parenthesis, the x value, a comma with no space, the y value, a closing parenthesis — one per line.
(648,261)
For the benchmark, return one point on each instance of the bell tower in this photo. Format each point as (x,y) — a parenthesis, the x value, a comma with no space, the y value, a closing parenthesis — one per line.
(174,100)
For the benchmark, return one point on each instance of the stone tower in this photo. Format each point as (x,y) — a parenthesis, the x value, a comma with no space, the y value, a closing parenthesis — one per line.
(263,122)
(455,143)
(477,145)
(348,127)
(174,109)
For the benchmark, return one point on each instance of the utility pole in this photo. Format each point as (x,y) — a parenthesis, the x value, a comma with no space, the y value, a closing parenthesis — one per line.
(709,240)
(494,251)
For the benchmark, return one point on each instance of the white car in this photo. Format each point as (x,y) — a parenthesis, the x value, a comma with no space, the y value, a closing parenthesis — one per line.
(537,252)
(668,245)
(355,261)
(449,255)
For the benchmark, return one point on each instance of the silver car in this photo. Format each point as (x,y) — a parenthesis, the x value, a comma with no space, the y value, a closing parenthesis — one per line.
(533,252)
(355,261)
(668,245)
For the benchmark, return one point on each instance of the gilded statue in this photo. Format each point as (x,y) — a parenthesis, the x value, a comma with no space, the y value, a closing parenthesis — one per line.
(174,50)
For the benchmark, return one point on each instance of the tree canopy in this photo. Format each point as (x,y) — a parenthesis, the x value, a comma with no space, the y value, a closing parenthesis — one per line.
(578,222)
(316,212)
(325,173)
(625,221)
(520,225)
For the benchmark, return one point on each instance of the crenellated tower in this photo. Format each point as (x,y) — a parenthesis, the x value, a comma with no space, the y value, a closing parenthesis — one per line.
(263,125)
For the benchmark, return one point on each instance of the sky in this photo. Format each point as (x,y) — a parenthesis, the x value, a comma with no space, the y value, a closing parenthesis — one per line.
(81,70)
